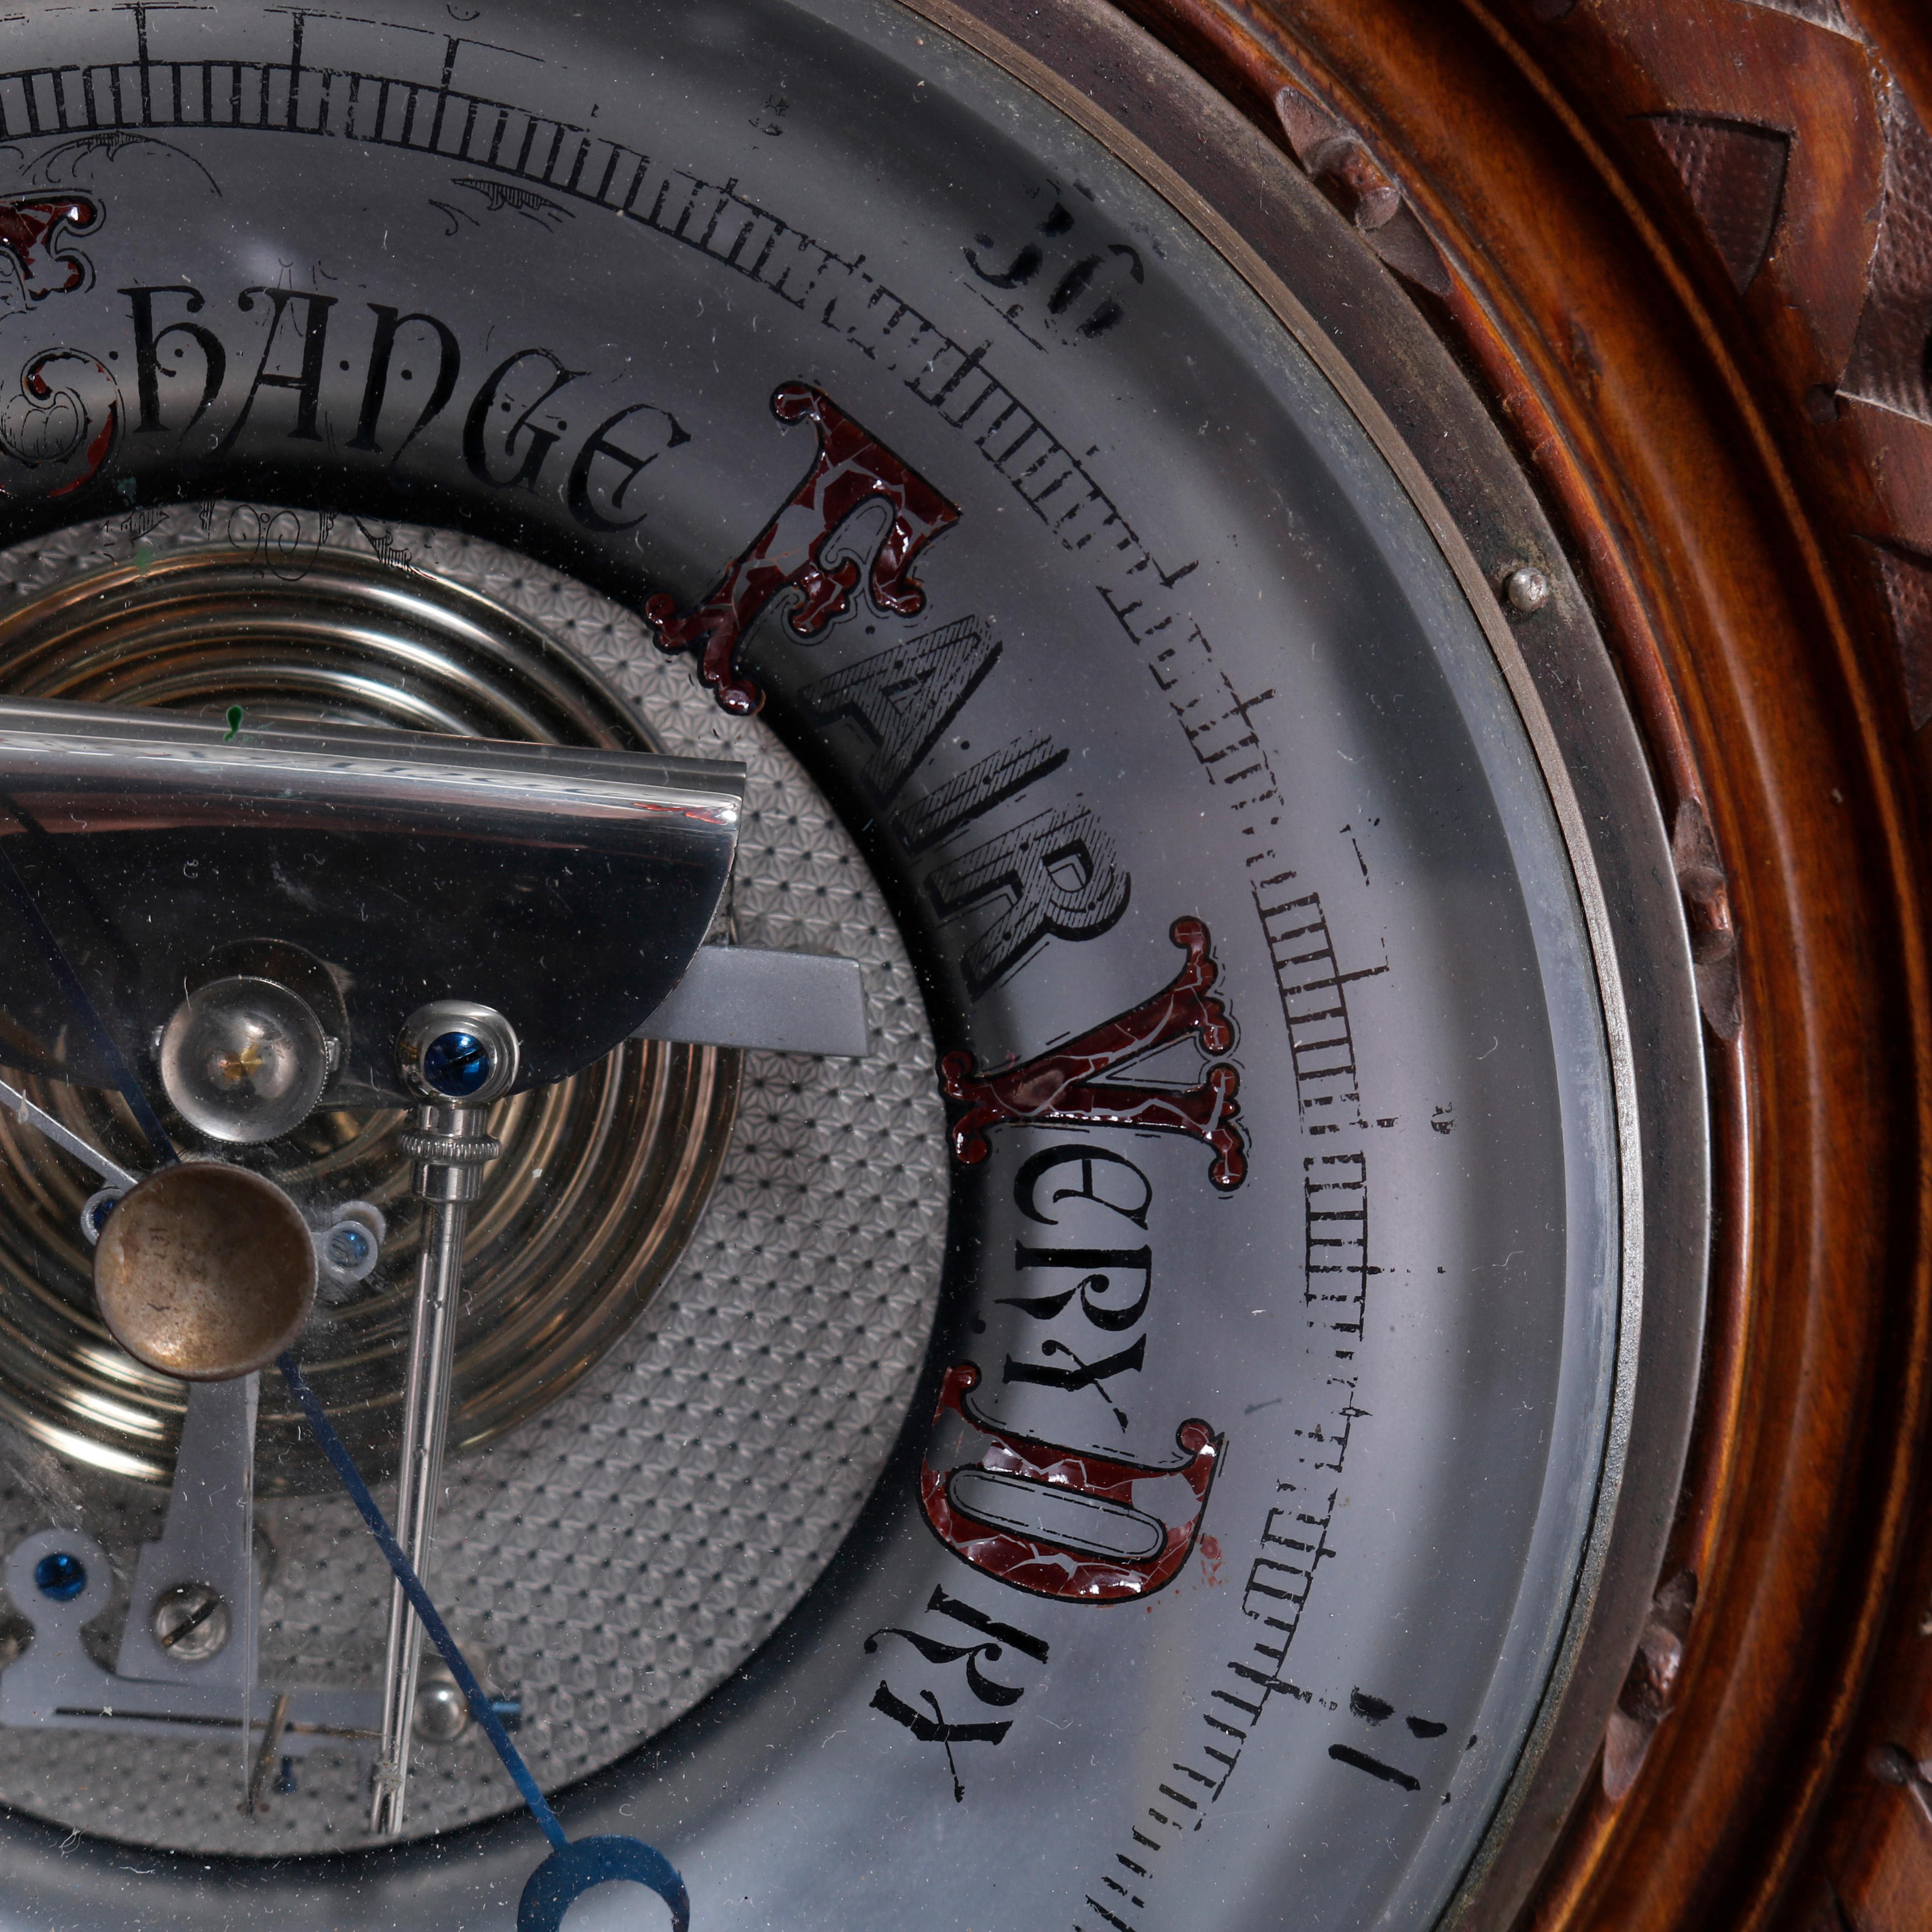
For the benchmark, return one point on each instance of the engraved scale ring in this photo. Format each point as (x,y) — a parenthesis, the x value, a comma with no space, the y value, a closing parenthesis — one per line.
(1178,1433)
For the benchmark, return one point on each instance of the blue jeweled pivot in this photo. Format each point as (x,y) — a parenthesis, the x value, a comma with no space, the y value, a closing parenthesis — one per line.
(349,1246)
(457,1064)
(60,1577)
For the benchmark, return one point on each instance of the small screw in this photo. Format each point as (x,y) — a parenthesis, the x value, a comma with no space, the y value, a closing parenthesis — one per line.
(1822,405)
(457,1064)
(60,1577)
(1527,590)
(191,1622)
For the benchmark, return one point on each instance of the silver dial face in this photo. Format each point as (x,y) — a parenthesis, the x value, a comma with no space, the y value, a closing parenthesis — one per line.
(1139,1446)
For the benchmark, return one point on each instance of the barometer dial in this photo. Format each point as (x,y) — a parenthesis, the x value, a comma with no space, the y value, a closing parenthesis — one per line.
(537,538)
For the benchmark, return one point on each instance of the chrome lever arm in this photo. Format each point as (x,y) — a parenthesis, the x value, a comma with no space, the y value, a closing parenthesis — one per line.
(22,1109)
(467,1055)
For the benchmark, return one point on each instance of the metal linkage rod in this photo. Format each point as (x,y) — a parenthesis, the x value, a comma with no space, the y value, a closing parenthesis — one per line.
(451,1150)
(17,1104)
(465,1055)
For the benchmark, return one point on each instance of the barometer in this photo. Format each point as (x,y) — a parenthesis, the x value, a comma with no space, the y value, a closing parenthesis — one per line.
(850,1064)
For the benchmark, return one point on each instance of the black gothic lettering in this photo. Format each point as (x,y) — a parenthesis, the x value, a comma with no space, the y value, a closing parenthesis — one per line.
(147,370)
(1091,1162)
(899,700)
(1057,877)
(935,1730)
(1025,264)
(986,1689)
(1100,1261)
(1082,1375)
(923,822)
(598,443)
(944,1604)
(477,449)
(1021,269)
(307,381)
(389,324)
(1389,1774)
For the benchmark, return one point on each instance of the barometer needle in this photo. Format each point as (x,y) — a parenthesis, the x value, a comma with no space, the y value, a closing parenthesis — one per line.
(410,1584)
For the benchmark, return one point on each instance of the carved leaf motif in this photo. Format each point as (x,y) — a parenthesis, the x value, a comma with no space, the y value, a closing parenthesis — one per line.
(1890,353)
(1734,174)
(1907,579)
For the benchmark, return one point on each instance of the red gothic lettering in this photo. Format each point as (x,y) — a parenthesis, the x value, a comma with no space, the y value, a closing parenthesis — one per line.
(852,469)
(1064,1086)
(28,225)
(50,423)
(1020,1478)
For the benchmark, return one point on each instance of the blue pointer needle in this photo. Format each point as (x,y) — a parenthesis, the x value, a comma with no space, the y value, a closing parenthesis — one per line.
(571,1869)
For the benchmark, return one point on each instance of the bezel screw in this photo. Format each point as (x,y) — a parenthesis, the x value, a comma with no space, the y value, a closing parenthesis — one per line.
(1526,590)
